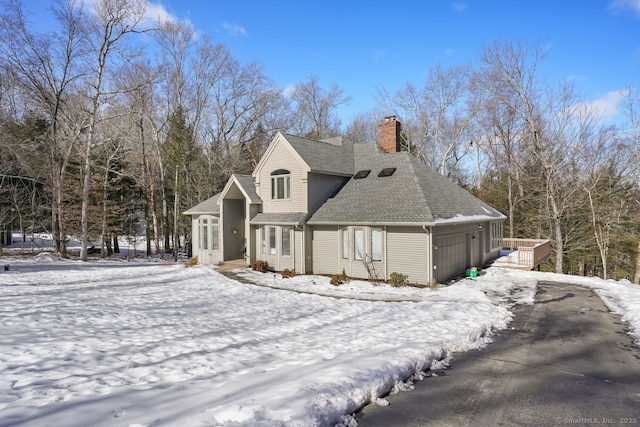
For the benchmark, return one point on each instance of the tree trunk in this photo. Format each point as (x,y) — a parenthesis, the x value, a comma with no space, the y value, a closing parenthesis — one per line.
(105,238)
(176,202)
(636,276)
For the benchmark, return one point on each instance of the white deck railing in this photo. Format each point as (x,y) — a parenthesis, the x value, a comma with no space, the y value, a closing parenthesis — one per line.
(531,252)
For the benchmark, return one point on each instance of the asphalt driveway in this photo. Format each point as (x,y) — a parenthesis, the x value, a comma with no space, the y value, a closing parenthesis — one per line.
(564,361)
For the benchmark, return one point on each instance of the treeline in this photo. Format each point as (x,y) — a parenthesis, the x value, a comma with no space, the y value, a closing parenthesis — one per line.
(110,125)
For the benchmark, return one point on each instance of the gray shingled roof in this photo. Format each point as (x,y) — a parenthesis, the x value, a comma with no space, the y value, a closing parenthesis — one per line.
(209,206)
(296,218)
(413,194)
(249,186)
(329,157)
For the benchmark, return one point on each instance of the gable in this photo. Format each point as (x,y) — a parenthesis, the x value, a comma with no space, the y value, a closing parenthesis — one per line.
(279,153)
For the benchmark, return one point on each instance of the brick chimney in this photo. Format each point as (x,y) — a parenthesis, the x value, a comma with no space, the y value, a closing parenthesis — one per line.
(389,135)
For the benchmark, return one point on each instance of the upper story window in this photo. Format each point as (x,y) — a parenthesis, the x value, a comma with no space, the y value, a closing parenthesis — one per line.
(280,184)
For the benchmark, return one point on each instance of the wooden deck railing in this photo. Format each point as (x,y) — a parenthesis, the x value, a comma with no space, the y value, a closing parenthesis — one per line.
(531,252)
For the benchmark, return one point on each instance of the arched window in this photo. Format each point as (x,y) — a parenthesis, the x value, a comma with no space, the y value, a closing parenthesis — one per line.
(280,184)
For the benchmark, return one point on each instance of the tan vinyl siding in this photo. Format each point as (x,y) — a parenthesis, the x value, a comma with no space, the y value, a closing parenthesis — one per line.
(282,157)
(407,253)
(325,249)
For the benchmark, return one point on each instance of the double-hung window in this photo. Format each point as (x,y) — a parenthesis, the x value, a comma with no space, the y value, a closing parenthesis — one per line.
(280,184)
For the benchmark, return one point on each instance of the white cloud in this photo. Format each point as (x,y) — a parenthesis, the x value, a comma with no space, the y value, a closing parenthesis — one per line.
(234,29)
(157,13)
(459,6)
(449,52)
(288,89)
(153,14)
(606,106)
(620,6)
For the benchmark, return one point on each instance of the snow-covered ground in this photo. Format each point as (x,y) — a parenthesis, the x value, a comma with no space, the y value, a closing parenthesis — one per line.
(116,343)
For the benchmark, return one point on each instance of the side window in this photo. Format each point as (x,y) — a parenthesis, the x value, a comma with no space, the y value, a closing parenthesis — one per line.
(345,243)
(376,244)
(286,241)
(358,244)
(204,233)
(215,239)
(272,241)
(280,184)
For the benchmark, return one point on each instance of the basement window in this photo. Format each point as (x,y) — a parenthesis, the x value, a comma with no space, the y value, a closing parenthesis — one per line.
(387,172)
(361,174)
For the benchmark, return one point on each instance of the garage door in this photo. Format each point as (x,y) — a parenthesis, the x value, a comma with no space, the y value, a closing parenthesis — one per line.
(451,256)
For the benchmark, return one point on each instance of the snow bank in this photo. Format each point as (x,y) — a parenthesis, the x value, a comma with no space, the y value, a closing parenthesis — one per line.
(124,343)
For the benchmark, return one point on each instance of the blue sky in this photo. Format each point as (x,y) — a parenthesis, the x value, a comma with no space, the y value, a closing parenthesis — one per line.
(362,46)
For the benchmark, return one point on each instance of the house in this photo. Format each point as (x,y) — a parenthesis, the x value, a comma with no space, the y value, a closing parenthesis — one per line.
(326,206)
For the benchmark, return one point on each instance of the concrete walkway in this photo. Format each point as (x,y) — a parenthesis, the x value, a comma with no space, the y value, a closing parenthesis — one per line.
(564,361)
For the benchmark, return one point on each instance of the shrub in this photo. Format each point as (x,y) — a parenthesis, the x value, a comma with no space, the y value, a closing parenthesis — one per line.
(398,279)
(192,261)
(261,266)
(286,273)
(335,280)
(343,276)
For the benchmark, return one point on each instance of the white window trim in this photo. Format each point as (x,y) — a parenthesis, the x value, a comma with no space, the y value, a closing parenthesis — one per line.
(286,187)
(345,247)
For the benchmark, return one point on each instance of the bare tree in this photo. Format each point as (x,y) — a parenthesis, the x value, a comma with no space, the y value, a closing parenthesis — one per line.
(437,117)
(553,130)
(631,110)
(364,126)
(111,22)
(315,108)
(46,68)
(141,128)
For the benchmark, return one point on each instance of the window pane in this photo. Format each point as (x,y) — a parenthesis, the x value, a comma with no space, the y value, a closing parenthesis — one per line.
(358,244)
(280,182)
(287,187)
(376,244)
(345,243)
(215,243)
(273,188)
(286,241)
(272,240)
(264,241)
(205,237)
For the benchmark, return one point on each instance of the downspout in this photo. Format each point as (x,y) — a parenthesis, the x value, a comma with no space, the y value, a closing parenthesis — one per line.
(298,228)
(386,257)
(431,268)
